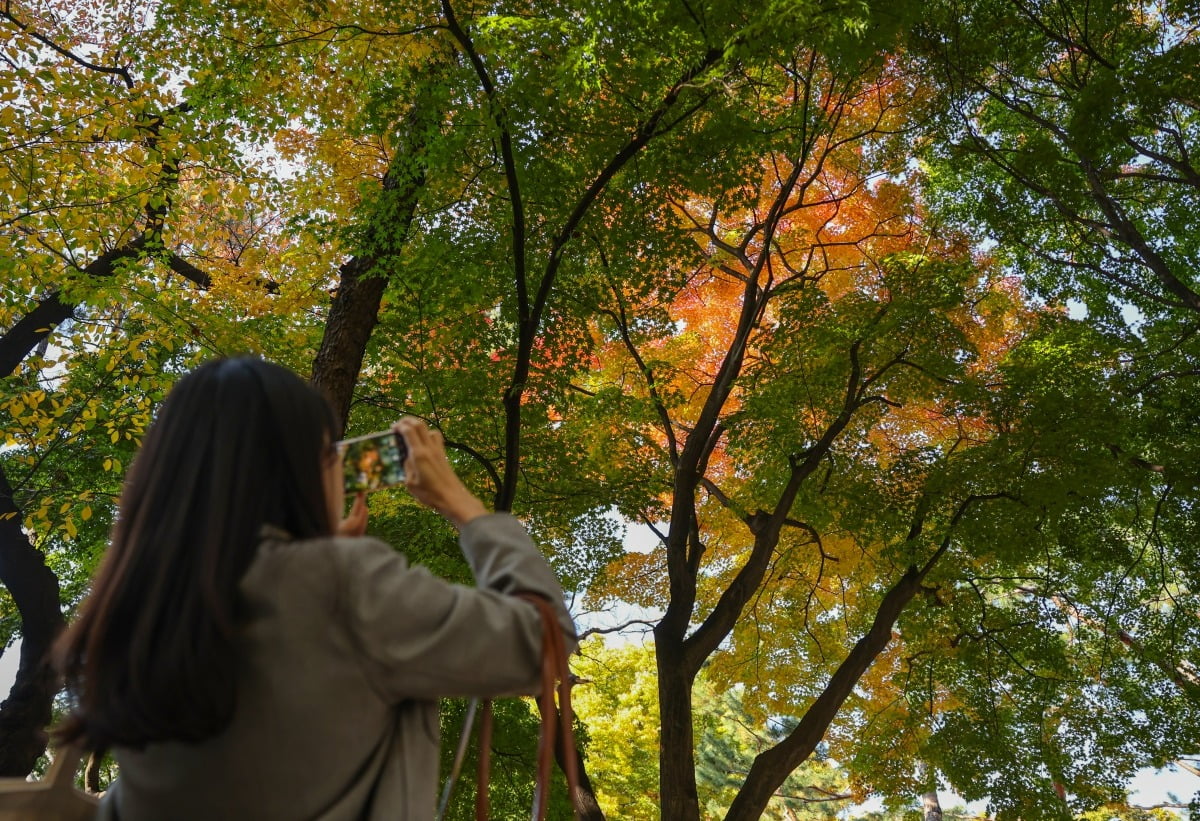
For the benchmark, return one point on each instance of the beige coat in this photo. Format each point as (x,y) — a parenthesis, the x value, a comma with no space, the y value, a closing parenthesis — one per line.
(347,649)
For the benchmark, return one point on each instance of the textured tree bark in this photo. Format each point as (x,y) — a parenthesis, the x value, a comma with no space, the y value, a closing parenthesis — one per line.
(26,711)
(352,316)
(354,312)
(31,331)
(931,806)
(678,797)
(91,773)
(35,327)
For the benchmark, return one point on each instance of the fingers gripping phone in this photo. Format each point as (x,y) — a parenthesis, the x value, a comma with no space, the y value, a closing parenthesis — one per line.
(373,461)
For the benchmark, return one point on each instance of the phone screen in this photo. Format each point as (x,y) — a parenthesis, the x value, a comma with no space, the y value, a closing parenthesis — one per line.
(373,461)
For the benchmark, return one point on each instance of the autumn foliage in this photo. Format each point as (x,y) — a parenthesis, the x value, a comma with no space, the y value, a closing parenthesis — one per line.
(880,333)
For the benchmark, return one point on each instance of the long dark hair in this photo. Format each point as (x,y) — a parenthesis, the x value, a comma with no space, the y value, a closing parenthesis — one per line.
(238,444)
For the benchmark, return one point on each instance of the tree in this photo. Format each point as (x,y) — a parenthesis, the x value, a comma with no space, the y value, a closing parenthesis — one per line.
(1075,139)
(617,700)
(99,154)
(120,182)
(1071,150)
(257,247)
(825,303)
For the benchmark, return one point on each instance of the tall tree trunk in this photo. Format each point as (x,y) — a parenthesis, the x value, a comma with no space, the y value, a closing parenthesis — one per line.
(26,711)
(678,799)
(352,316)
(354,312)
(931,806)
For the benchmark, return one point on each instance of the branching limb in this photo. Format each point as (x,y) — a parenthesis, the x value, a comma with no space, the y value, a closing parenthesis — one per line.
(25,28)
(619,628)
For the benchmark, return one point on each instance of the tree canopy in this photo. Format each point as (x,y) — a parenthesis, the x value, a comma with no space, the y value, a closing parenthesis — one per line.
(882,317)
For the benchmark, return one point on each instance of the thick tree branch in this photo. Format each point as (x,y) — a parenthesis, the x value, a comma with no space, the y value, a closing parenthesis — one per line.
(34,589)
(25,28)
(198,277)
(682,562)
(772,766)
(354,311)
(720,621)
(1129,234)
(39,323)
(1184,765)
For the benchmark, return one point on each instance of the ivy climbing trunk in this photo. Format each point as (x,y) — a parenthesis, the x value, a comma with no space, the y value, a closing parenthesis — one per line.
(354,312)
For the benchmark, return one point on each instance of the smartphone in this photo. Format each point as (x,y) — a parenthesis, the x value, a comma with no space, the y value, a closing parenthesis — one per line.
(373,461)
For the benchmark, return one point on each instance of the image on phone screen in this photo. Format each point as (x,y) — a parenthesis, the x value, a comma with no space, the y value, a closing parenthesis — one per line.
(372,462)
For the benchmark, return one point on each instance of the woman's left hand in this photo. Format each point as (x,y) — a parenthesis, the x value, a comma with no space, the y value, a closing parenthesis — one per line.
(355,524)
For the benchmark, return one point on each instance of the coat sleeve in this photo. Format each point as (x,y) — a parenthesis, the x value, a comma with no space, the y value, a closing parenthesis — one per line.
(420,636)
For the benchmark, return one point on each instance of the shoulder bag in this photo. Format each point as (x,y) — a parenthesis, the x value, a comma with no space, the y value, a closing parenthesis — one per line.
(555,718)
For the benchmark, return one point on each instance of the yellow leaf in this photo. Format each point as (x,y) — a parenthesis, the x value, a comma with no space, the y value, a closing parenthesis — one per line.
(86,513)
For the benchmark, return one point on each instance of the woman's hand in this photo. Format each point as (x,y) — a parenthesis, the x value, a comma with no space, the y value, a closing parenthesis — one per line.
(430,478)
(355,524)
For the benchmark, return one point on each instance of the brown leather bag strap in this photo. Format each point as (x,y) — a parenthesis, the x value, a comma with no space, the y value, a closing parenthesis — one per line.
(484,764)
(555,675)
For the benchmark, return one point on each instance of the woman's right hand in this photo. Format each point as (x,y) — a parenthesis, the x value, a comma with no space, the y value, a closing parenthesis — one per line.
(429,476)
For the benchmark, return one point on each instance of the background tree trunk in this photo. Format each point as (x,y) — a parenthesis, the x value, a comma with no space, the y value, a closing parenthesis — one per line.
(352,316)
(27,710)
(931,807)
(354,312)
